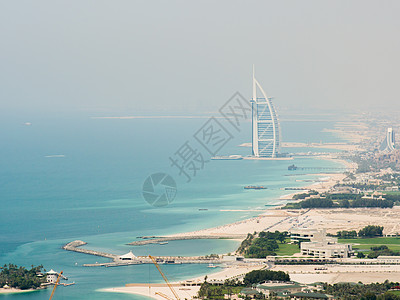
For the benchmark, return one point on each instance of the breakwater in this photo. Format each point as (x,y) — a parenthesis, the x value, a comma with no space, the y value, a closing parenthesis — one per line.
(75,246)
(157,240)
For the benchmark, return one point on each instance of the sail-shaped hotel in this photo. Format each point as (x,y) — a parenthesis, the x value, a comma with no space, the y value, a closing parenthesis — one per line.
(388,145)
(266,138)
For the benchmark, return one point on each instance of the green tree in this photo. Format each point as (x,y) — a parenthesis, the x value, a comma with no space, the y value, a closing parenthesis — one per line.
(371,231)
(360,255)
(258,276)
(369,296)
(19,277)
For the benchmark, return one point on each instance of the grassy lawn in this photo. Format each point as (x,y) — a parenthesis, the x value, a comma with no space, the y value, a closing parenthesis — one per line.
(366,243)
(373,241)
(395,292)
(287,249)
(225,290)
(392,192)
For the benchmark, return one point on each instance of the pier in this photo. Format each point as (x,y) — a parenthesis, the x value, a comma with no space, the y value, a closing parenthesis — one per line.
(123,260)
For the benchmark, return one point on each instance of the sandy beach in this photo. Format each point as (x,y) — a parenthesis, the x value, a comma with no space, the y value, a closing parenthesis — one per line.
(183,291)
(276,218)
(343,273)
(269,219)
(14,291)
(332,220)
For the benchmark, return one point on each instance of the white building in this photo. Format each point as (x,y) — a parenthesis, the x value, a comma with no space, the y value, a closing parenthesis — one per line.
(303,235)
(320,245)
(128,256)
(267,288)
(388,144)
(266,137)
(51,276)
(388,259)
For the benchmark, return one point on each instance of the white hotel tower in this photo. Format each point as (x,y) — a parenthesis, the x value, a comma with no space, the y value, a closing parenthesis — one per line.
(266,139)
(388,144)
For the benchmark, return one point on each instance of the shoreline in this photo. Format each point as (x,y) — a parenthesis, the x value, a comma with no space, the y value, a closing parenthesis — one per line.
(238,226)
(17,291)
(329,219)
(184,292)
(266,220)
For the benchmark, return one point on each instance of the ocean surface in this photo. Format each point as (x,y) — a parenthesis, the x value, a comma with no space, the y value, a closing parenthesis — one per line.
(69,177)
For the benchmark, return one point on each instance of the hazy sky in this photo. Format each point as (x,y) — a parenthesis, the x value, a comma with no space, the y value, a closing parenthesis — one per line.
(135,57)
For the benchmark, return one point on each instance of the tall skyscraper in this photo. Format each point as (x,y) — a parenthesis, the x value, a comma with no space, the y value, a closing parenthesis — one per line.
(388,144)
(266,137)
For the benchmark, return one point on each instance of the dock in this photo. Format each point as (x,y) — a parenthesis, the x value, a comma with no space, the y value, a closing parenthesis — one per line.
(118,260)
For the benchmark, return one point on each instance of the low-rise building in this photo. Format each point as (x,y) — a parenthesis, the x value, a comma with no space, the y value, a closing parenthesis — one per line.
(268,288)
(302,235)
(320,245)
(375,195)
(247,292)
(128,256)
(394,188)
(388,259)
(51,276)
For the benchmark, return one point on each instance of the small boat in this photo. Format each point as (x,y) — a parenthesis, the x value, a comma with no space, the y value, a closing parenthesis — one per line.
(212,266)
(255,187)
(203,208)
(170,262)
(163,243)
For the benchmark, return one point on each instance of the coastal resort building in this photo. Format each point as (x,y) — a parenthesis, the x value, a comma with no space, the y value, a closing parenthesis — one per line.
(388,144)
(128,256)
(375,195)
(276,287)
(303,235)
(382,259)
(51,276)
(290,290)
(320,245)
(249,293)
(266,134)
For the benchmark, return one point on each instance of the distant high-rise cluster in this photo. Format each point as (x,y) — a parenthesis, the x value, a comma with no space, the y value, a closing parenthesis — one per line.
(388,144)
(266,138)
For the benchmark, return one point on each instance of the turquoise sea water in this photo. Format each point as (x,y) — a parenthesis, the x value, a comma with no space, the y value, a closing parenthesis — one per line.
(93,193)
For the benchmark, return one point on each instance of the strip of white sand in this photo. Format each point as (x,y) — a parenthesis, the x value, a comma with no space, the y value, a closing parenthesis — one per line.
(14,291)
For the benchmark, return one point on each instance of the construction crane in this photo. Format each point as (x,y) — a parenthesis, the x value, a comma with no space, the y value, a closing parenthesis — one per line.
(165,279)
(164,296)
(55,285)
